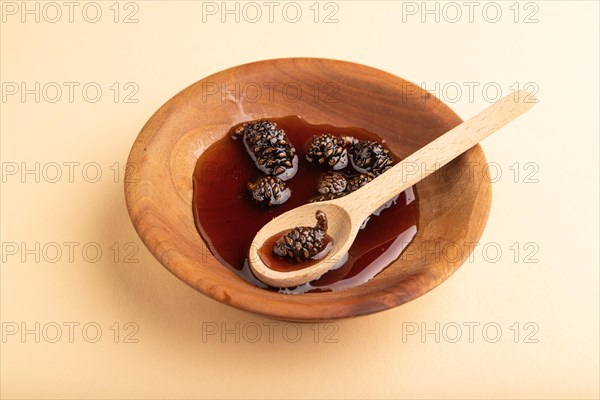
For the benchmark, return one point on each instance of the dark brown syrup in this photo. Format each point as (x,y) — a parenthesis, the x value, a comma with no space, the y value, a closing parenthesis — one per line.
(228,220)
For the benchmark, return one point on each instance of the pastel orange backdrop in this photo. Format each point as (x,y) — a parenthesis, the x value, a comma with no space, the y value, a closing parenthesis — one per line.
(519,320)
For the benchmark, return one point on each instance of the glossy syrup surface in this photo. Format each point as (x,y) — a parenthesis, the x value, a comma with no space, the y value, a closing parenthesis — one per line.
(228,220)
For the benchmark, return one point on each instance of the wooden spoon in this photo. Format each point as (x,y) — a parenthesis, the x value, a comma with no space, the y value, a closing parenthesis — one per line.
(346,214)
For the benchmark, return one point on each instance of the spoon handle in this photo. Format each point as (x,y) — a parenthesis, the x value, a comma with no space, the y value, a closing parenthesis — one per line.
(436,154)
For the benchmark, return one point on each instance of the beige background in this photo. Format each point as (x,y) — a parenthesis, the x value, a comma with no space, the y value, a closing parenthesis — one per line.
(170,47)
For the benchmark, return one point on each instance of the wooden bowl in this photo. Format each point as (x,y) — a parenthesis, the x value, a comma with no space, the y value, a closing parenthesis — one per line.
(454,202)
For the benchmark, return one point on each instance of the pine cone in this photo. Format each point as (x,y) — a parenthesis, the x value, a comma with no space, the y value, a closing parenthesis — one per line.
(367,156)
(269,191)
(303,242)
(269,148)
(332,183)
(358,181)
(327,150)
(328,196)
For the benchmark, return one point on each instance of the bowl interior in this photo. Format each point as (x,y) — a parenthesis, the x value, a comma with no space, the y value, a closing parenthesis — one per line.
(454,202)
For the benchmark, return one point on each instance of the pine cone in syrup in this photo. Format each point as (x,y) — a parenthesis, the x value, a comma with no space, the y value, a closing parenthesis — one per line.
(269,148)
(332,183)
(303,242)
(358,181)
(368,156)
(268,191)
(327,150)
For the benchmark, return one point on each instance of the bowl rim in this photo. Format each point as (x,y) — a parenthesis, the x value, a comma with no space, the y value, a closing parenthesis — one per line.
(292,309)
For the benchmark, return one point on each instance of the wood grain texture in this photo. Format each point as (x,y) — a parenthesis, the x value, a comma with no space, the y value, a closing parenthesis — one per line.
(454,202)
(346,214)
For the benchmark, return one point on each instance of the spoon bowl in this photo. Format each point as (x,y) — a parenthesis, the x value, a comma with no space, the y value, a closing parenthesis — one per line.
(340,229)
